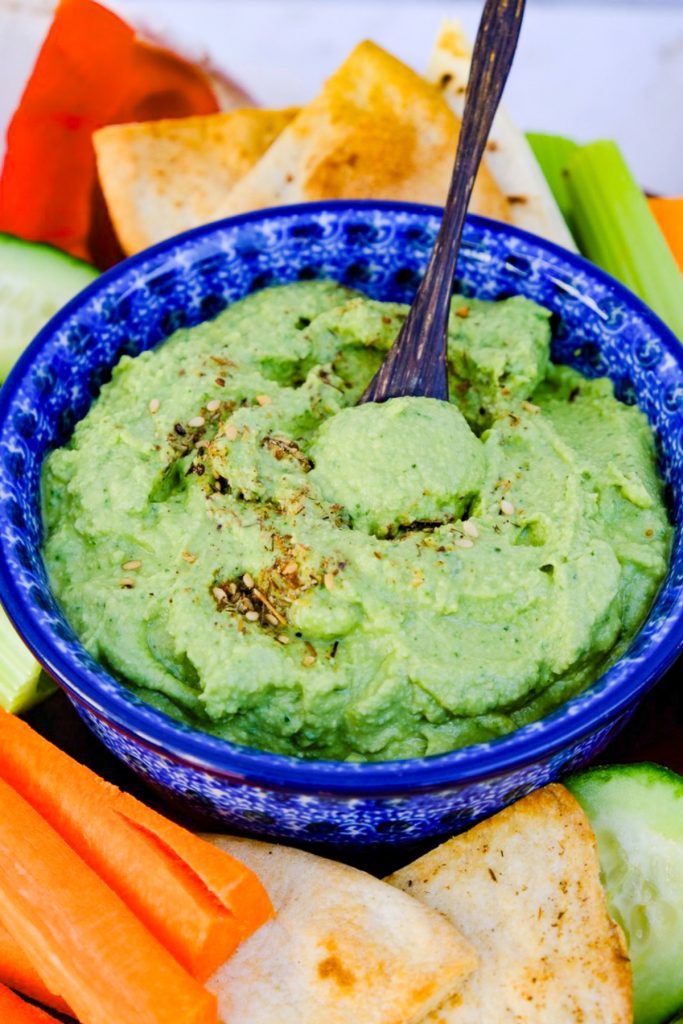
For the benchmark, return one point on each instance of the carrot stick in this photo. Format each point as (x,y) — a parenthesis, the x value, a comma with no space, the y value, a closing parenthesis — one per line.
(197,900)
(669,215)
(17,971)
(87,945)
(235,885)
(14,1010)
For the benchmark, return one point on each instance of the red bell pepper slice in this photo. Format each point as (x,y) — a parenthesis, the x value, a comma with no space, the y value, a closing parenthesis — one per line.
(92,70)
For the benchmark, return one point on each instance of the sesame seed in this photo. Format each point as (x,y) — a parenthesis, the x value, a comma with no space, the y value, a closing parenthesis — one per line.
(470,528)
(134,564)
(213,405)
(154,406)
(127,583)
(196,421)
(189,558)
(272,619)
(308,660)
(219,594)
(264,399)
(464,542)
(232,587)
(248,581)
(328,580)
(252,616)
(289,569)
(282,639)
(506,507)
(530,407)
(230,431)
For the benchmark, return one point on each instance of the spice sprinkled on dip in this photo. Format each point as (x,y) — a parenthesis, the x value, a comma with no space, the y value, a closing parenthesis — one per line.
(322,579)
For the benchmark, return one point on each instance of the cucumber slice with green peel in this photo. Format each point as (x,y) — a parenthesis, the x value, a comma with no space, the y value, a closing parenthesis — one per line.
(35,281)
(636,812)
(22,681)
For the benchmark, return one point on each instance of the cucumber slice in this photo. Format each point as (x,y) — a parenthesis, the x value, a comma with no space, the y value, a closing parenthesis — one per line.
(22,681)
(35,281)
(637,815)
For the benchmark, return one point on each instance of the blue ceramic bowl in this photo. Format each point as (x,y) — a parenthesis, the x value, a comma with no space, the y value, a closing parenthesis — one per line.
(382,249)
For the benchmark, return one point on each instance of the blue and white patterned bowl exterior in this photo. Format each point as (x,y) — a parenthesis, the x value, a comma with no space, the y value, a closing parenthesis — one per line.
(382,249)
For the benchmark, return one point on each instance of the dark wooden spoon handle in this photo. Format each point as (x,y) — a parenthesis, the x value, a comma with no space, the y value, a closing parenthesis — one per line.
(416,363)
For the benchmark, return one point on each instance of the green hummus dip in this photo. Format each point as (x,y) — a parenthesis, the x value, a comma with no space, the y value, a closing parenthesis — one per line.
(255,555)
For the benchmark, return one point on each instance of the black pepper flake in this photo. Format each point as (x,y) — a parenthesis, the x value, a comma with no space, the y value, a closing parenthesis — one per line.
(179,429)
(574,394)
(333,652)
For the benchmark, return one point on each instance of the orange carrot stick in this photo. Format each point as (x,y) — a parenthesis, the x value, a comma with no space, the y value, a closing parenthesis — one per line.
(17,971)
(235,885)
(197,900)
(668,213)
(14,1010)
(84,941)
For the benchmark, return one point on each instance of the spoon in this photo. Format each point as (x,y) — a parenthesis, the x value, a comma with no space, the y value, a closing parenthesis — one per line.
(416,363)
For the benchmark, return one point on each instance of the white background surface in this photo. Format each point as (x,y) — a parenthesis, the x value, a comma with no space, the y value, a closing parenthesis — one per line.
(587,70)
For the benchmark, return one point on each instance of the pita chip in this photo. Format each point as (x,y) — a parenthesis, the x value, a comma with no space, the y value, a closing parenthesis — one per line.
(524,889)
(510,160)
(343,947)
(163,177)
(376,131)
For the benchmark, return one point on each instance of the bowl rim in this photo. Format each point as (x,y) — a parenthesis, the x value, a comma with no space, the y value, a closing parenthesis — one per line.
(146,726)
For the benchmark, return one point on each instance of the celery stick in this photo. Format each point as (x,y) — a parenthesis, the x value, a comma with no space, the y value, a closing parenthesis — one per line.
(552,153)
(22,683)
(615,229)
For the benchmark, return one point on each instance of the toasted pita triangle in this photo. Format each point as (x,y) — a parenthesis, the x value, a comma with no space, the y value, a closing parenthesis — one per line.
(524,888)
(343,948)
(163,177)
(376,131)
(510,159)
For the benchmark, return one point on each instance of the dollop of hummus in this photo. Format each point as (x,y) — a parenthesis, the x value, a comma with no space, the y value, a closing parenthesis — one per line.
(402,462)
(251,552)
